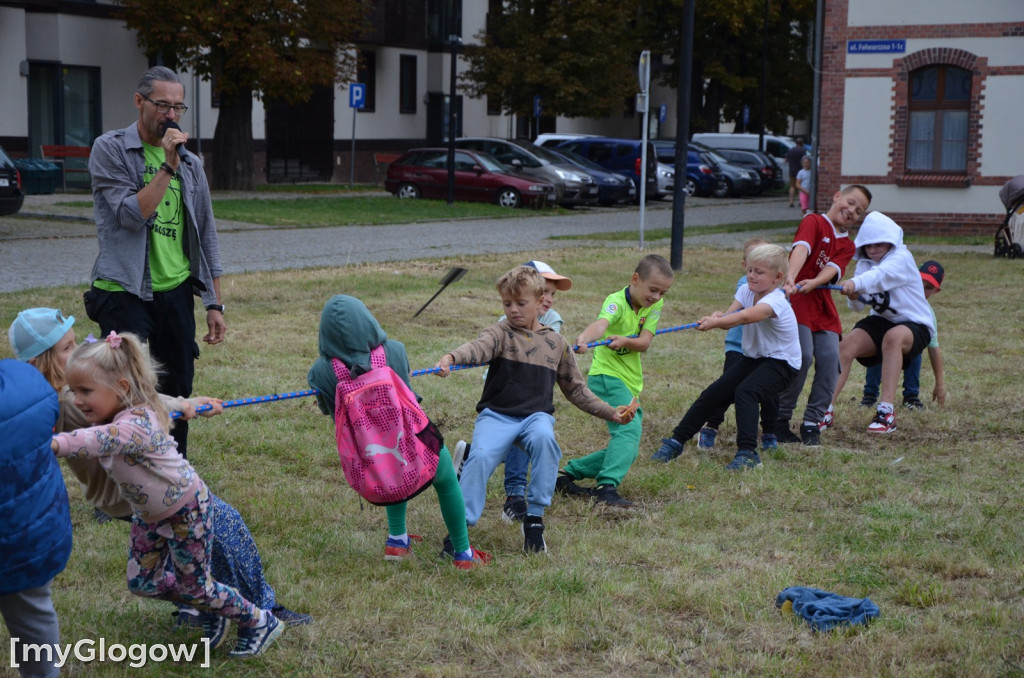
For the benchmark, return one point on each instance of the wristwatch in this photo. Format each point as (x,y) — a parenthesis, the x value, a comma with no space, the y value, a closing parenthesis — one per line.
(215,307)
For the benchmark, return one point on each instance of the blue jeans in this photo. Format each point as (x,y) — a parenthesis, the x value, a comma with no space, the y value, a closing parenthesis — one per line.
(911,379)
(515,472)
(493,436)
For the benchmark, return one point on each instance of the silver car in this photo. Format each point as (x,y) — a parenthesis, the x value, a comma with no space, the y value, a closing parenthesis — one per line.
(573,184)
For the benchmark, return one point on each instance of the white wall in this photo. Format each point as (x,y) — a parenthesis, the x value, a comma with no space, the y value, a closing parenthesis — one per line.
(973,200)
(867,126)
(1002,138)
(14,101)
(933,12)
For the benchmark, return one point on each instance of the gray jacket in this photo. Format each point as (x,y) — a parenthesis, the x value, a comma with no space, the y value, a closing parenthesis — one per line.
(117,164)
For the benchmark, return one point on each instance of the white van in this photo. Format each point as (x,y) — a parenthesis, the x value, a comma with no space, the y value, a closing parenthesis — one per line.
(776,146)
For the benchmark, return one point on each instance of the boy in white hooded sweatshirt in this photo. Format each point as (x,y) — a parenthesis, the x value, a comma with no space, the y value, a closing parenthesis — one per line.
(899,325)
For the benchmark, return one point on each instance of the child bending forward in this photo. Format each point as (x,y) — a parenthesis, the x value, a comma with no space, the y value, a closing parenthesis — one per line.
(114,382)
(771,358)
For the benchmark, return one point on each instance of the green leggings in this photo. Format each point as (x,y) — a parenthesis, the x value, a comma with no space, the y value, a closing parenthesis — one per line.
(609,466)
(453,508)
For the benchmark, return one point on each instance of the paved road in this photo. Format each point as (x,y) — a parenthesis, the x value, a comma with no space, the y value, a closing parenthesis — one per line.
(50,244)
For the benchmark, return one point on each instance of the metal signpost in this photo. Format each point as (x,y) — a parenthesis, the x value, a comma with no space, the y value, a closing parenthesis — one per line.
(356,101)
(644,76)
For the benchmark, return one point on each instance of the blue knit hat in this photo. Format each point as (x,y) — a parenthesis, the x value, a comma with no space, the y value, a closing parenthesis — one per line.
(37,330)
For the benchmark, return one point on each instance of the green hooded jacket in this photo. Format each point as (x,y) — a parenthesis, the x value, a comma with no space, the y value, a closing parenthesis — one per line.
(348,332)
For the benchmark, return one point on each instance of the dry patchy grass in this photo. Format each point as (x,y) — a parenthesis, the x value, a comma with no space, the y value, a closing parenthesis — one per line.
(925,522)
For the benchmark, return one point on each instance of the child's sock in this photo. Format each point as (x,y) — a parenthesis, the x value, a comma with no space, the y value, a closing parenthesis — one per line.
(885,408)
(403,538)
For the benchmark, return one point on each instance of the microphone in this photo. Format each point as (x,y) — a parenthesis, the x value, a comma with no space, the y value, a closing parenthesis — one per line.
(182,152)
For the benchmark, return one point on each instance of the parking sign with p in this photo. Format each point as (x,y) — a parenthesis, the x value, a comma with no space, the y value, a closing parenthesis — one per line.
(357,95)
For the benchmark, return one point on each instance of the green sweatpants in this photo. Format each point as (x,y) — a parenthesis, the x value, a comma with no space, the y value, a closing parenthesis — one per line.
(609,466)
(453,508)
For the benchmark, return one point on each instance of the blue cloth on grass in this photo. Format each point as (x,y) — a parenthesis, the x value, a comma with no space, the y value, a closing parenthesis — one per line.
(824,610)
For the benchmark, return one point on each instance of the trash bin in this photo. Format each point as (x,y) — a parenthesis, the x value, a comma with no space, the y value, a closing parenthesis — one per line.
(38,177)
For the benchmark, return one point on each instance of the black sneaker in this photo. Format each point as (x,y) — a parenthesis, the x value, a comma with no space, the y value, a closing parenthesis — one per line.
(609,495)
(533,535)
(187,618)
(913,403)
(253,641)
(566,485)
(459,457)
(447,550)
(783,435)
(515,510)
(290,617)
(810,435)
(868,401)
(100,517)
(215,629)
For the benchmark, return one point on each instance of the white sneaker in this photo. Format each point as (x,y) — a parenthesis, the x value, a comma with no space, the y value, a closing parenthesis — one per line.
(459,457)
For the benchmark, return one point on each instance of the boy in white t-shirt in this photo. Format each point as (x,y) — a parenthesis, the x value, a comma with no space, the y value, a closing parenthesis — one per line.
(771,359)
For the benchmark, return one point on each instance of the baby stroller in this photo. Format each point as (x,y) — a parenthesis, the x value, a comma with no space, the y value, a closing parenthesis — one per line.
(1010,234)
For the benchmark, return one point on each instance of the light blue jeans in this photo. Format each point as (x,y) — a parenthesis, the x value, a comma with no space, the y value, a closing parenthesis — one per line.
(493,436)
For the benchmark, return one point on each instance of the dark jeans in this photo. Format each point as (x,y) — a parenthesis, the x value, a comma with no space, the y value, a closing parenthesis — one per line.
(911,379)
(753,384)
(167,324)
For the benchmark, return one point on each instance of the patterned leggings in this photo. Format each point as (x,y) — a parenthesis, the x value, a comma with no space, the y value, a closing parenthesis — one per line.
(171,559)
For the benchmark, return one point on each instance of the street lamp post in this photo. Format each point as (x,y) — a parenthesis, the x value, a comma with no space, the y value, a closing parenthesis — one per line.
(454,41)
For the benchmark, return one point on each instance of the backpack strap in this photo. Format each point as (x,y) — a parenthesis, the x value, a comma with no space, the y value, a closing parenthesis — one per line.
(340,371)
(378,358)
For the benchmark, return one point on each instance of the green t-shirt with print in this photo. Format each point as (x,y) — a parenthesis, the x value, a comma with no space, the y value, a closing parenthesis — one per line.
(168,264)
(624,321)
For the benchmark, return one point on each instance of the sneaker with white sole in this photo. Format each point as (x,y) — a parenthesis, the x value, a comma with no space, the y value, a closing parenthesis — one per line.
(810,435)
(769,442)
(514,510)
(828,421)
(706,438)
(882,423)
(252,641)
(744,459)
(396,550)
(459,456)
(215,628)
(533,535)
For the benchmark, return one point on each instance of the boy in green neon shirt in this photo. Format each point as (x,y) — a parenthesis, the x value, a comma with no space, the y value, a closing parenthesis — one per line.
(616,376)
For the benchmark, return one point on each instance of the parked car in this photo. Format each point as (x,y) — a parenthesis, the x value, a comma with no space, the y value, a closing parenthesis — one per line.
(775,146)
(621,156)
(11,195)
(574,186)
(423,173)
(736,181)
(550,140)
(666,180)
(761,163)
(612,188)
(702,175)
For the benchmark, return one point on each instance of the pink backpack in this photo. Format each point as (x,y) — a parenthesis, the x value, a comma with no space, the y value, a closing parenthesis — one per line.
(387,445)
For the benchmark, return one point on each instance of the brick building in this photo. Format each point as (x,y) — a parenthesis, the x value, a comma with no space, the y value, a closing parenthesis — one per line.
(921,102)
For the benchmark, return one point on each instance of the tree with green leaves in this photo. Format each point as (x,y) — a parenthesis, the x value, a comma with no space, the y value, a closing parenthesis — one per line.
(278,49)
(579,56)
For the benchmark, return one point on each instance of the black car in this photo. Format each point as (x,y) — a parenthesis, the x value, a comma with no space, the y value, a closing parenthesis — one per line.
(769,172)
(11,195)
(612,188)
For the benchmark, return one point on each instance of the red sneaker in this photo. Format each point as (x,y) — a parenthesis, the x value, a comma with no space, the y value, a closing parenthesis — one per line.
(479,559)
(882,423)
(395,550)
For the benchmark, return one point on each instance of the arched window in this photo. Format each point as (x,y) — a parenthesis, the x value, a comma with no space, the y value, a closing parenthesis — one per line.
(940,98)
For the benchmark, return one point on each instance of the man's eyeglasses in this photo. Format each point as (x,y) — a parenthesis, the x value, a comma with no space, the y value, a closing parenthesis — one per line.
(163,108)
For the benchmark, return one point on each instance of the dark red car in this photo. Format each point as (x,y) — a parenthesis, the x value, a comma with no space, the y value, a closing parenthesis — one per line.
(423,173)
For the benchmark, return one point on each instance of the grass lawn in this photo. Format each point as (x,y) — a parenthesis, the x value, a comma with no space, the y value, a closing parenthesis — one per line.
(925,522)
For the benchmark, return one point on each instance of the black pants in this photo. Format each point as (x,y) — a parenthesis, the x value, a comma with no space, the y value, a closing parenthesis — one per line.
(167,324)
(753,384)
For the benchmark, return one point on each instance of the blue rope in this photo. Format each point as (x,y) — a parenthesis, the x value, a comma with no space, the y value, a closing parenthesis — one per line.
(418,373)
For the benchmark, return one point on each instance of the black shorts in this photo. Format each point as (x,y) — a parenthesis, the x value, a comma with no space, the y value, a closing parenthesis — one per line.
(876,326)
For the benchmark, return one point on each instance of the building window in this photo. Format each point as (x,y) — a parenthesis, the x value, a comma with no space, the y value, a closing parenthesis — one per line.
(940,98)
(407,84)
(367,75)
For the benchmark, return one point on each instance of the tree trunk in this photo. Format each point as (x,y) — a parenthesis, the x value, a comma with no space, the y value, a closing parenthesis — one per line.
(232,144)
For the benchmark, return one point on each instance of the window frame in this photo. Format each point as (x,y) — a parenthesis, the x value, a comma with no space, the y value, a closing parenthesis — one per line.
(407,67)
(937,108)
